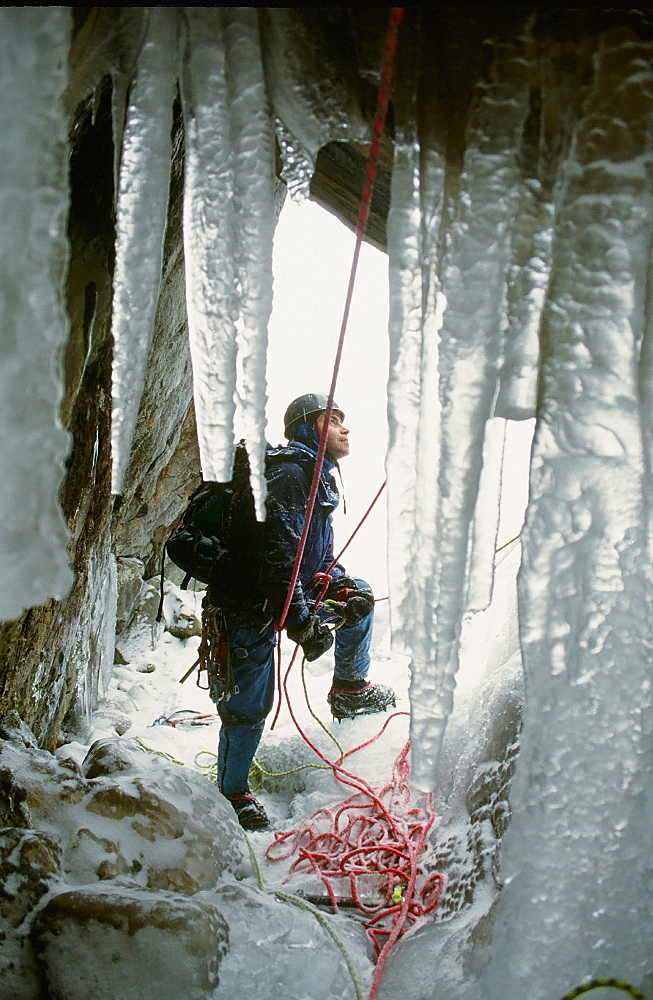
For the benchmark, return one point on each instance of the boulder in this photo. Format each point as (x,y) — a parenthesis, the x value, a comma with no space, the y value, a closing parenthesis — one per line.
(122,941)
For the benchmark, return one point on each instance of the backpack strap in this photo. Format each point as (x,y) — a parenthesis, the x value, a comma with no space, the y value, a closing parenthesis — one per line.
(175,525)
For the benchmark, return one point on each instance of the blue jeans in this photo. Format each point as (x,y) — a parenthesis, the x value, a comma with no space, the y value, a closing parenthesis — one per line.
(252,664)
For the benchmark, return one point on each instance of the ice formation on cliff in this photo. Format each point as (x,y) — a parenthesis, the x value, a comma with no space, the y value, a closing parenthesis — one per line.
(565,255)
(34,324)
(571,260)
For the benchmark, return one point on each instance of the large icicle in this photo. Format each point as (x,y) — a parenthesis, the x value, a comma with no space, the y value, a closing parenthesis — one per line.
(413,462)
(228,227)
(254,208)
(476,260)
(577,856)
(142,211)
(33,322)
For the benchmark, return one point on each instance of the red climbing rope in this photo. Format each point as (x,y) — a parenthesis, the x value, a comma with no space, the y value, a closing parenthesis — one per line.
(374,844)
(361,225)
(373,834)
(326,579)
(357,528)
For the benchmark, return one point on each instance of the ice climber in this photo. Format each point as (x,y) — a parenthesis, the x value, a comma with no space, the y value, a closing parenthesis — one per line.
(242,608)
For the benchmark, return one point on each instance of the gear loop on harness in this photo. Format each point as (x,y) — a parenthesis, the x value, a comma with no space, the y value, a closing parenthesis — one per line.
(215,653)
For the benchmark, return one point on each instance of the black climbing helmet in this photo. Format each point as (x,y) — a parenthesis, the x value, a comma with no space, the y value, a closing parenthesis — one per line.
(311,404)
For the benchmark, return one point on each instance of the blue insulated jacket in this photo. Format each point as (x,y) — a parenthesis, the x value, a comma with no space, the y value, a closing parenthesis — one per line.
(289,473)
(254,578)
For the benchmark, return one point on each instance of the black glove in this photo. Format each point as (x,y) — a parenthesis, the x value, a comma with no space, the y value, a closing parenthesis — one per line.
(313,637)
(351,602)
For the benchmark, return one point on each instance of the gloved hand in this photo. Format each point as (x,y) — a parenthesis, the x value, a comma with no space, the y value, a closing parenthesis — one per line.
(313,637)
(351,602)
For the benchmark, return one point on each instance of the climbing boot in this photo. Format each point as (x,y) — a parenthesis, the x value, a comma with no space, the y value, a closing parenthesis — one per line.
(365,700)
(251,814)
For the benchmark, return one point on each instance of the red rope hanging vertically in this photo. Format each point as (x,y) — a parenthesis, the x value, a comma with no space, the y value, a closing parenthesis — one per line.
(361,225)
(371,830)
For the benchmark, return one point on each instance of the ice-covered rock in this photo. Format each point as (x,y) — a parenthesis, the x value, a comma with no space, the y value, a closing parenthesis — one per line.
(29,862)
(290,953)
(285,764)
(180,616)
(143,629)
(479,756)
(128,813)
(130,584)
(123,941)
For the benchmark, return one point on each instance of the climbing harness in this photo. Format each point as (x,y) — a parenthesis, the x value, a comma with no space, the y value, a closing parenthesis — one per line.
(214,655)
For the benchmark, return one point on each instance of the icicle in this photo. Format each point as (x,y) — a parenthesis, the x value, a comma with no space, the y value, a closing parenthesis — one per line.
(526,292)
(228,226)
(415,317)
(33,261)
(131,27)
(577,856)
(254,208)
(477,258)
(486,518)
(404,387)
(142,212)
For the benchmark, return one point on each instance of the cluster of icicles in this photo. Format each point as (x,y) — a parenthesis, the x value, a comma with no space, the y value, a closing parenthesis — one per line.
(559,240)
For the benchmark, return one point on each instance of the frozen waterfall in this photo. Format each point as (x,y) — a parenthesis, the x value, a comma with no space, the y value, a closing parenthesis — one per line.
(571,263)
(520,287)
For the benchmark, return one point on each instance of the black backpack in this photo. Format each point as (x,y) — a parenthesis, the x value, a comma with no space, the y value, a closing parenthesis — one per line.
(201,536)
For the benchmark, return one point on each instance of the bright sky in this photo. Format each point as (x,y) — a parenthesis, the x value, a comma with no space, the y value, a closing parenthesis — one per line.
(312,259)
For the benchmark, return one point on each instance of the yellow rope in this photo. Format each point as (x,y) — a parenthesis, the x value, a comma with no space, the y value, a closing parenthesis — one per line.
(257,772)
(137,741)
(210,770)
(597,984)
(318,720)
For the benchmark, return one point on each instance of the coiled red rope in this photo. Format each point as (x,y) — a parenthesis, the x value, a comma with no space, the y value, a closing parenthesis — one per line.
(374,844)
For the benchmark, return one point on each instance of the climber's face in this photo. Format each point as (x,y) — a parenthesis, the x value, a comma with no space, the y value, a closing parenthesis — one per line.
(337,442)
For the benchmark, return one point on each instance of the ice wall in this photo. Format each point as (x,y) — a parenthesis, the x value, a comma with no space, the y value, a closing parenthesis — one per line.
(543,247)
(443,383)
(33,321)
(578,856)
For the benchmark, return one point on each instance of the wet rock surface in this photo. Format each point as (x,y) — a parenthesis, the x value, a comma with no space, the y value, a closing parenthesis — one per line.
(140,837)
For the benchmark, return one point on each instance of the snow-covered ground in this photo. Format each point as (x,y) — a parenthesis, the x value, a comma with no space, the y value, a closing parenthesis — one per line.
(146,691)
(123,868)
(146,702)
